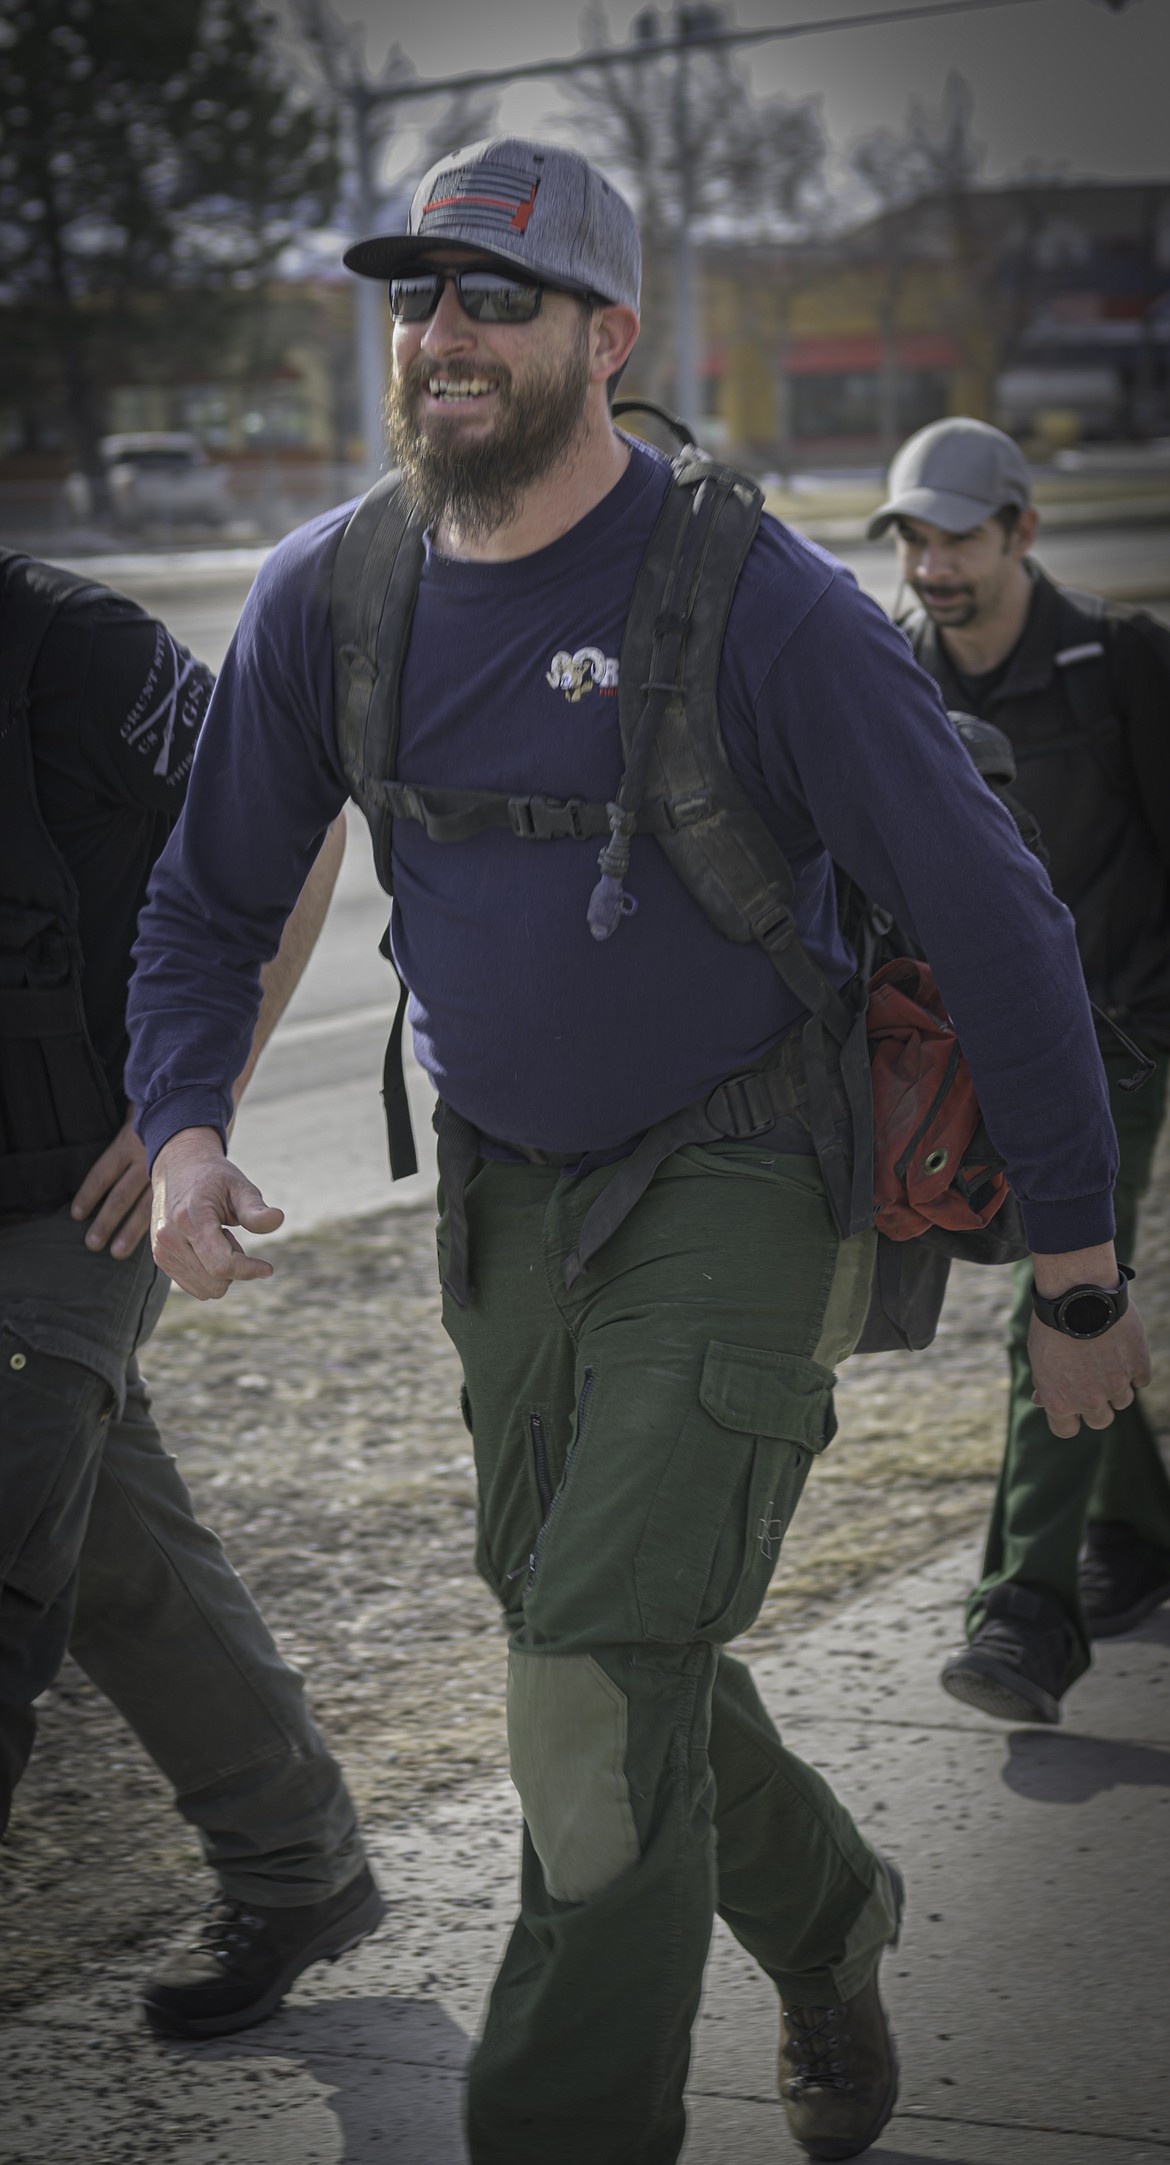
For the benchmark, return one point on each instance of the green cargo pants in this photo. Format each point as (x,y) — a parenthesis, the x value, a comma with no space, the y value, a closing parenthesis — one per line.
(1050,1488)
(641,1446)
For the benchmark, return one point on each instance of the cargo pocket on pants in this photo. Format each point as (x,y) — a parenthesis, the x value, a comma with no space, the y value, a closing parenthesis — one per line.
(57,1390)
(730,1487)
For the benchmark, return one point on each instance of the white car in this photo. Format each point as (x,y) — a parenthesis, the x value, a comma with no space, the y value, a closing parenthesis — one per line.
(155,478)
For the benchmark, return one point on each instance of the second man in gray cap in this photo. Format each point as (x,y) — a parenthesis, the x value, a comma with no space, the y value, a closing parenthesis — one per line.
(1079,1542)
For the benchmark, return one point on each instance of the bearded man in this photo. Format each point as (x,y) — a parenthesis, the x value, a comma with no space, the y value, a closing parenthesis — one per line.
(643,1426)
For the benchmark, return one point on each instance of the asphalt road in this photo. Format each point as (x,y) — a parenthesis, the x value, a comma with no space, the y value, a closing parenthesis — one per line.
(311,1131)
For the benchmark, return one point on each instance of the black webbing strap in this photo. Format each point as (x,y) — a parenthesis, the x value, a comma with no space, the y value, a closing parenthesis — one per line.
(57,1110)
(458,1152)
(452,815)
(371,607)
(38,593)
(396,1104)
(38,1011)
(661,609)
(833,1038)
(458,1155)
(629,1183)
(744,1106)
(731,860)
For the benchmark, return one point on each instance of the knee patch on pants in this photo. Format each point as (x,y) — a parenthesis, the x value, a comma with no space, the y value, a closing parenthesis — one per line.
(567,1745)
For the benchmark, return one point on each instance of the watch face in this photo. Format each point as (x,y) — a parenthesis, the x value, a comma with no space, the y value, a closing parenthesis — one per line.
(1086,1315)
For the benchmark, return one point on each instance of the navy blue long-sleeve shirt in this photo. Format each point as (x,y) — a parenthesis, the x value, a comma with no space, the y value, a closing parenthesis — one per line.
(538,1034)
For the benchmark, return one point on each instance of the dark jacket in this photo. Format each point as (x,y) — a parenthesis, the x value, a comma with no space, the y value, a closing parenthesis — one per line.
(99,712)
(1085,700)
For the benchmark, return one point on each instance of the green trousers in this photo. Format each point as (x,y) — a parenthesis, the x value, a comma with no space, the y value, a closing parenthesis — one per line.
(1049,1489)
(641,1446)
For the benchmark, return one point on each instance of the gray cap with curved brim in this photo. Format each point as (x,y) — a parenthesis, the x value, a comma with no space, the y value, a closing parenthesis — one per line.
(534,208)
(954,474)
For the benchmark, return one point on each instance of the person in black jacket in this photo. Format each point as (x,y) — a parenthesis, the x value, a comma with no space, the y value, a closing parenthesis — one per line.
(1079,1542)
(100,1552)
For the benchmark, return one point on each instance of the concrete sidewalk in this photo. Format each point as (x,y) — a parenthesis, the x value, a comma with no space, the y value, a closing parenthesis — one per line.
(1030,1992)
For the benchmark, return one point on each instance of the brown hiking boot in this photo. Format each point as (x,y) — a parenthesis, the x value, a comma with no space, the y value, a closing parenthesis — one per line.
(838,2068)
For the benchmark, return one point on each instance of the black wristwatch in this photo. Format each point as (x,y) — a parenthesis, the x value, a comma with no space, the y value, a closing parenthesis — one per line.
(1085,1311)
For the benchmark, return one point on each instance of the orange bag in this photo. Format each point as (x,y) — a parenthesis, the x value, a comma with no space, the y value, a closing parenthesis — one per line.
(934,1164)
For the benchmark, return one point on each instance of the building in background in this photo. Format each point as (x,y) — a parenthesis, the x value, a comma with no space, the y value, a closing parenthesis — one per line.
(1044,306)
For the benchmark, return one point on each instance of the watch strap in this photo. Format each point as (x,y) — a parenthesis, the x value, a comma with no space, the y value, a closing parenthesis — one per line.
(1059,1310)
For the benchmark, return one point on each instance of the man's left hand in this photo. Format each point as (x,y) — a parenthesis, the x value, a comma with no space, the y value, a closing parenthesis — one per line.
(120,1183)
(1087,1379)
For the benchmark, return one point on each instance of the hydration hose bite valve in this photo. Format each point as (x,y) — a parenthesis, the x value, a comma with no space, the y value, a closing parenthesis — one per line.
(609,902)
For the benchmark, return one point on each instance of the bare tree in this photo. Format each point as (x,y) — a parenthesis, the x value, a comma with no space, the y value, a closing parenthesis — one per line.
(367,119)
(932,165)
(685,136)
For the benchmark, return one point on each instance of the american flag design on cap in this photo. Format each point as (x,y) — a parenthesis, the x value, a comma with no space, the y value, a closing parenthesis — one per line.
(537,208)
(496,197)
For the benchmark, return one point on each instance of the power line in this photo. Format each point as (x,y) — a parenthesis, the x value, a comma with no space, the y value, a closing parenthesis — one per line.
(691,41)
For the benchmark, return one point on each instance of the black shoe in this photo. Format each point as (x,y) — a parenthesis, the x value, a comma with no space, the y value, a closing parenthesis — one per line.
(243,1960)
(838,2068)
(1017,1664)
(1122,1579)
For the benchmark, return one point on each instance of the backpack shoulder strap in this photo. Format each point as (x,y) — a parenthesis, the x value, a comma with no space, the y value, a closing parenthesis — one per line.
(31,595)
(1083,660)
(727,857)
(56,1107)
(1083,657)
(375,583)
(372,596)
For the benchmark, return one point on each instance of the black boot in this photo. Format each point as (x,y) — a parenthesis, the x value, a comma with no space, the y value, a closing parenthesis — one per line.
(1123,1579)
(1018,1661)
(243,1959)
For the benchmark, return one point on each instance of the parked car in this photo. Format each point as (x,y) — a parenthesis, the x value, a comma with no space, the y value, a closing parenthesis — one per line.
(155,478)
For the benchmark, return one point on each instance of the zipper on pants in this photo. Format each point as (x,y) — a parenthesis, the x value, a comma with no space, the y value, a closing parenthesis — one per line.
(544,1487)
(574,1447)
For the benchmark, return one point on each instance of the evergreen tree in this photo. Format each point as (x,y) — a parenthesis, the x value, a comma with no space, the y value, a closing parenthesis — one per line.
(154,162)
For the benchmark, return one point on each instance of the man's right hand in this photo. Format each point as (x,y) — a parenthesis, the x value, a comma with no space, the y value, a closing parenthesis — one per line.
(198,1194)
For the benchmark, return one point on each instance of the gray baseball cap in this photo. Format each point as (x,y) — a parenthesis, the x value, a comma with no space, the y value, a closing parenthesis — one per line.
(530,207)
(953,474)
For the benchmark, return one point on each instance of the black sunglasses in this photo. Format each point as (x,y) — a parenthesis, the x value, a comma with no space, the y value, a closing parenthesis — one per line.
(485,296)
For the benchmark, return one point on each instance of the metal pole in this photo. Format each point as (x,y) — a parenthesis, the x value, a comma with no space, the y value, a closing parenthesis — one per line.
(686,363)
(371,300)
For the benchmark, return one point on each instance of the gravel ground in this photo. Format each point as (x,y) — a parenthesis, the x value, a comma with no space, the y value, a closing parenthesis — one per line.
(316,1420)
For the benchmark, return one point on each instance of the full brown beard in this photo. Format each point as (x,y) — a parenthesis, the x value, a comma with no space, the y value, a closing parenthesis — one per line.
(477,486)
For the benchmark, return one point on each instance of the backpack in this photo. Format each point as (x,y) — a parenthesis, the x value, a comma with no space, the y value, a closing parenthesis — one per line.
(57,1111)
(678,786)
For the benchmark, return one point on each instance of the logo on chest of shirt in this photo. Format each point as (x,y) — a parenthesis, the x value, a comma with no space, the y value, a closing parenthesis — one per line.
(588,670)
